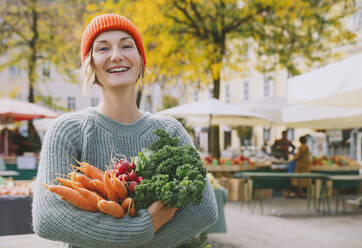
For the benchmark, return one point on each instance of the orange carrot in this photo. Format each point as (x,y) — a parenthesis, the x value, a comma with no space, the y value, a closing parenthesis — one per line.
(91,196)
(111,208)
(119,187)
(128,205)
(99,186)
(66,182)
(111,195)
(90,171)
(72,196)
(84,180)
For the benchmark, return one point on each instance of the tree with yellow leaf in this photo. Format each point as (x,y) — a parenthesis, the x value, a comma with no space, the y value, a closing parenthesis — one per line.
(36,33)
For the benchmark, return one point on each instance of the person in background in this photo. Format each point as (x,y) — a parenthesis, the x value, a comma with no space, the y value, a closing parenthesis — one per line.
(302,166)
(113,57)
(32,143)
(283,147)
(19,142)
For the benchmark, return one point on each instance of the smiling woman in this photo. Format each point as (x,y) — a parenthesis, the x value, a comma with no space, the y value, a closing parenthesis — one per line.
(113,56)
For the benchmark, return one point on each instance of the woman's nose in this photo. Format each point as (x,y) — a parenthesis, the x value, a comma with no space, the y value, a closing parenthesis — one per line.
(116,54)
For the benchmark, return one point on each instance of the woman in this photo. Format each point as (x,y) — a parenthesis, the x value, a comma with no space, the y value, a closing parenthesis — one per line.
(302,166)
(113,57)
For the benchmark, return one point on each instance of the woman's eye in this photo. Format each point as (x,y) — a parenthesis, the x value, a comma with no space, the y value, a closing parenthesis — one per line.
(126,46)
(103,49)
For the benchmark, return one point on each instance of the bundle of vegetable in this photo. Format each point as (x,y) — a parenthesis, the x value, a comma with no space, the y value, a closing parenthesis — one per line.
(95,190)
(172,173)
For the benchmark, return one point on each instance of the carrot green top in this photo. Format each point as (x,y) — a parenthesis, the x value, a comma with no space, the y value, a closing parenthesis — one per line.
(89,136)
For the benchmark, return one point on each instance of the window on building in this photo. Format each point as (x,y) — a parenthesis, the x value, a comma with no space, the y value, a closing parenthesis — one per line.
(291,134)
(71,103)
(196,95)
(94,101)
(148,104)
(14,71)
(227,139)
(246,90)
(211,92)
(268,87)
(267,133)
(46,72)
(227,93)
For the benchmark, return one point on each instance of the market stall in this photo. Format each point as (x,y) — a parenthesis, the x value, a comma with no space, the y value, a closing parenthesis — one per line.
(15,207)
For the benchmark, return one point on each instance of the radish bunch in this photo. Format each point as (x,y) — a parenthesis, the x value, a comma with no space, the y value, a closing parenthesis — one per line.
(125,171)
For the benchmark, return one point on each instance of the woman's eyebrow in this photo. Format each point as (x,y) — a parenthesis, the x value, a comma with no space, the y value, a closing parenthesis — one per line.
(101,41)
(122,39)
(125,38)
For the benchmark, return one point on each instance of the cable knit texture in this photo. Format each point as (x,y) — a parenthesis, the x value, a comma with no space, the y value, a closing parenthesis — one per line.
(90,136)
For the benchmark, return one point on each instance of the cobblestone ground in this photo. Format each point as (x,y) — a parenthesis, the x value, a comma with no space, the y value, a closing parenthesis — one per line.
(288,223)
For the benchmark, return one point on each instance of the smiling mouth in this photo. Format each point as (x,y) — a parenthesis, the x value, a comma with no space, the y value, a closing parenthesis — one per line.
(115,70)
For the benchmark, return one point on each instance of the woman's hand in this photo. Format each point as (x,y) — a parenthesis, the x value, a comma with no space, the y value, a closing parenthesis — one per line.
(160,214)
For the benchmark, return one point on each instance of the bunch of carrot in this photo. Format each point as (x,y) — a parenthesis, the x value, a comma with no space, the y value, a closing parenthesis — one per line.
(95,190)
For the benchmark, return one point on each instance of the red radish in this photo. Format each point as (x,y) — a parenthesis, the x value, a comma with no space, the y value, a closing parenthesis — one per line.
(124,167)
(139,179)
(132,176)
(124,177)
(132,186)
(132,166)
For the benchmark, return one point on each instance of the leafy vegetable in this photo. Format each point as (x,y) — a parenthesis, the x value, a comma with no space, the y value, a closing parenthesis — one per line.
(172,173)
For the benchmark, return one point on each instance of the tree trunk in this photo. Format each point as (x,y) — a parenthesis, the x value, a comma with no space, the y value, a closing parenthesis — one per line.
(33,51)
(214,142)
(32,58)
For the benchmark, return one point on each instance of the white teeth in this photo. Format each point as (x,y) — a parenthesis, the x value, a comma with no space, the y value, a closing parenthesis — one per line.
(118,70)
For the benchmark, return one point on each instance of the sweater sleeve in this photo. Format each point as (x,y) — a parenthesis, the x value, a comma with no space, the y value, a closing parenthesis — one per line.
(56,219)
(188,221)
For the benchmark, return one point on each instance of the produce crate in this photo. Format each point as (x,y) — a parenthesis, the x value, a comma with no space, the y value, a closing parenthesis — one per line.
(235,189)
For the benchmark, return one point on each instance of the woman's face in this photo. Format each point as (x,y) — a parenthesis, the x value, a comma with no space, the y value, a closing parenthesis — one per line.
(116,59)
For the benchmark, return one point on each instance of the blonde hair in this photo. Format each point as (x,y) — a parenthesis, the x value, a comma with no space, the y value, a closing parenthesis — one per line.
(89,75)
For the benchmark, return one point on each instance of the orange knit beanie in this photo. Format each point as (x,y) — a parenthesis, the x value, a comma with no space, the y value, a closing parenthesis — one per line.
(108,22)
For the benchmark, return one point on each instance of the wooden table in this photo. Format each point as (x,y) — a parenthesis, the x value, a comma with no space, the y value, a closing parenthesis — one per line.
(27,241)
(322,195)
(339,179)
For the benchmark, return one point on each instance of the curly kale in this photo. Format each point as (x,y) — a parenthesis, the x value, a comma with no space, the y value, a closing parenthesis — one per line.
(165,139)
(173,173)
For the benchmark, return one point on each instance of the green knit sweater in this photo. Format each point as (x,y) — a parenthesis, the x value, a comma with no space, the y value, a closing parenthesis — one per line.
(90,136)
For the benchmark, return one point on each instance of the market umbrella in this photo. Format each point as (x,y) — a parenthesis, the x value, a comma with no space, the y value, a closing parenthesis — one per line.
(338,85)
(215,111)
(318,117)
(15,110)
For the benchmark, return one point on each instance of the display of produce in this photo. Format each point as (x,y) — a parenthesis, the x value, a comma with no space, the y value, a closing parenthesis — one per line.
(16,188)
(337,160)
(248,157)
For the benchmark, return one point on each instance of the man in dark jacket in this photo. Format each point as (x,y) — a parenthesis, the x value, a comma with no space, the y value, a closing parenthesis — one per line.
(283,147)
